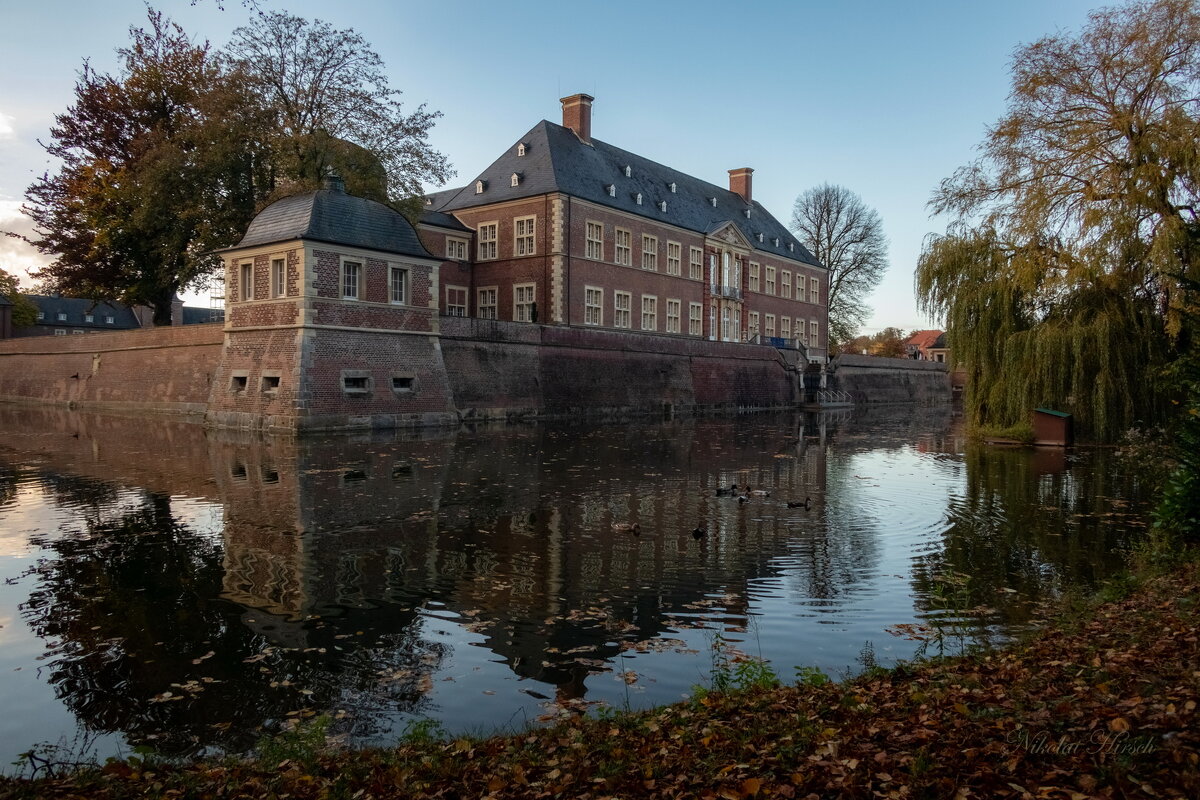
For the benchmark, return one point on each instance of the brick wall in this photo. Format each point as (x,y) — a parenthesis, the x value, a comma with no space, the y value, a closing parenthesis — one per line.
(160,369)
(872,379)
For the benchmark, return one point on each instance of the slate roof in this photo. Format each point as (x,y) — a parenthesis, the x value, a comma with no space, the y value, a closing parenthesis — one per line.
(429,216)
(198,315)
(556,160)
(4,301)
(330,215)
(76,310)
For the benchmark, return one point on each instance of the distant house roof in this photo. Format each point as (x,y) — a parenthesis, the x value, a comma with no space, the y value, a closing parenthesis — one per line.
(330,215)
(556,160)
(940,342)
(198,315)
(73,312)
(923,339)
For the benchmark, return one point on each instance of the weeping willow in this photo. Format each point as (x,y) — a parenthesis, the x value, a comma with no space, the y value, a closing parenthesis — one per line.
(1070,337)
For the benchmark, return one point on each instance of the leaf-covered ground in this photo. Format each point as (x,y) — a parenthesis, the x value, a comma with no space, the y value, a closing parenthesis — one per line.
(1101,704)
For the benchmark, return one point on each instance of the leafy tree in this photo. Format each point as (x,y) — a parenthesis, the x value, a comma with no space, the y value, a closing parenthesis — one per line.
(24,312)
(160,164)
(332,106)
(887,343)
(1060,282)
(847,237)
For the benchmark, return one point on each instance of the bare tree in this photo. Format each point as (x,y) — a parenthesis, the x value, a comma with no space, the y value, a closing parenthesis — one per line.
(332,103)
(847,237)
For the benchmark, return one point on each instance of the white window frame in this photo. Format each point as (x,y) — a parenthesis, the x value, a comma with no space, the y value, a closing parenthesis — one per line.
(524,236)
(486,302)
(523,306)
(754,276)
(246,287)
(60,331)
(649,252)
(814,333)
(674,309)
(769,326)
(345,276)
(696,263)
(89,317)
(785,326)
(814,291)
(769,281)
(802,330)
(457,309)
(674,257)
(650,312)
(595,244)
(110,320)
(278,276)
(753,324)
(456,248)
(489,240)
(402,274)
(623,252)
(622,312)
(785,286)
(593,305)
(695,319)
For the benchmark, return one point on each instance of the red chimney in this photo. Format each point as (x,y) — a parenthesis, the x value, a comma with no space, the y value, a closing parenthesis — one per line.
(577,115)
(740,182)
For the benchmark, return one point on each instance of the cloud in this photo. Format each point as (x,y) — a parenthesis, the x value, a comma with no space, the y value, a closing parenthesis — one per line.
(15,255)
(7,131)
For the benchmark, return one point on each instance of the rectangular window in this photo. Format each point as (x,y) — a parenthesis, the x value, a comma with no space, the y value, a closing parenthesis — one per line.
(109,320)
(523,307)
(398,285)
(814,291)
(60,332)
(487,303)
(694,311)
(351,273)
(696,264)
(673,309)
(674,258)
(649,312)
(801,330)
(753,331)
(649,252)
(622,304)
(456,301)
(247,281)
(523,228)
(593,306)
(595,241)
(785,327)
(41,315)
(278,277)
(270,384)
(814,333)
(487,240)
(785,284)
(89,318)
(624,248)
(770,282)
(456,249)
(753,276)
(770,325)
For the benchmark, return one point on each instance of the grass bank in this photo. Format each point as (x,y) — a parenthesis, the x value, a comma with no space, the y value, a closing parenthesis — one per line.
(1101,703)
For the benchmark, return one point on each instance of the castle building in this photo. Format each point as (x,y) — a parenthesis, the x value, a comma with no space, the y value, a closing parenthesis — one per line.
(564,229)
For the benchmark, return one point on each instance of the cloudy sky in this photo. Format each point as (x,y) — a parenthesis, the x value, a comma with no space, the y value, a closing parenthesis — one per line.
(884,98)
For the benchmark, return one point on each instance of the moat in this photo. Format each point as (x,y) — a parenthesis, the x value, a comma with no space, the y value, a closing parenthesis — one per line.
(187,591)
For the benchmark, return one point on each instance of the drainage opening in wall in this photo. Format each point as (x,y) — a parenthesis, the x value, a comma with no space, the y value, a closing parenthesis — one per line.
(404,384)
(238,383)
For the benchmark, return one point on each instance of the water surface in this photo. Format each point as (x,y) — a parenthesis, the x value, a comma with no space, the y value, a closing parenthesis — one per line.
(187,590)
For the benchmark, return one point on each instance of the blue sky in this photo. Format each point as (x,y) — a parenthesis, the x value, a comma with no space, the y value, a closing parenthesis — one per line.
(884,98)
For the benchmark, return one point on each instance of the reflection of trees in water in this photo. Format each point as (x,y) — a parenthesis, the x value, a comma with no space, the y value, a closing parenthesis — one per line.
(1032,520)
(131,607)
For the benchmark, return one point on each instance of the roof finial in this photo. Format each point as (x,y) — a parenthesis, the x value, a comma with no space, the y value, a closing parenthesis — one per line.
(333,181)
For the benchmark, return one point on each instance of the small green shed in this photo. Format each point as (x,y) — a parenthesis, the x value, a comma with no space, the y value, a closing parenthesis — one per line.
(1052,428)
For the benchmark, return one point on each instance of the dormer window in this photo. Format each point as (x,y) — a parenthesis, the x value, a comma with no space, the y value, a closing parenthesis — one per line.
(637,198)
(760,237)
(521,149)
(791,247)
(672,187)
(479,187)
(516,179)
(662,206)
(713,200)
(775,241)
(428,201)
(747,213)
(628,171)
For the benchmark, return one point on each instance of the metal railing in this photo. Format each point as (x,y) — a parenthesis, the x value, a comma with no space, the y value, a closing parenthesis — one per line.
(829,397)
(732,292)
